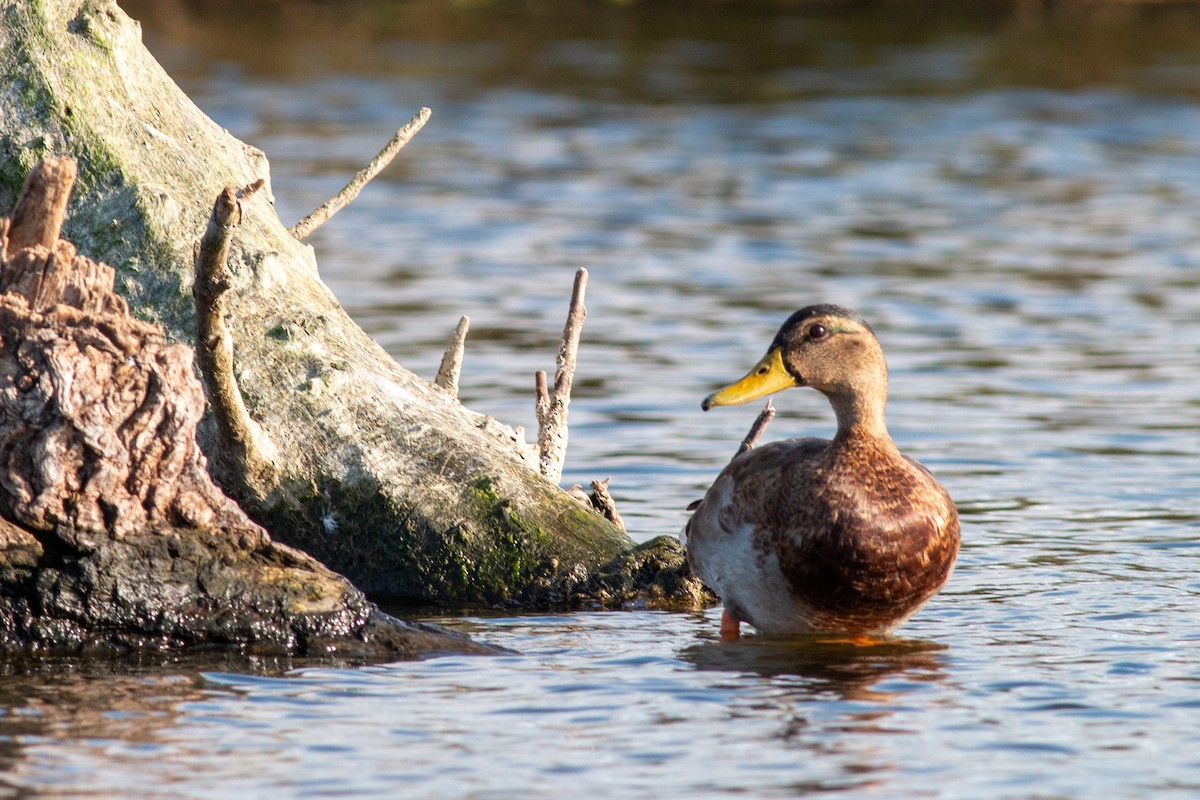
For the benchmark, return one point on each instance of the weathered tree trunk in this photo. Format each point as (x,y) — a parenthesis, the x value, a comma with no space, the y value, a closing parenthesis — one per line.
(378,473)
(112,533)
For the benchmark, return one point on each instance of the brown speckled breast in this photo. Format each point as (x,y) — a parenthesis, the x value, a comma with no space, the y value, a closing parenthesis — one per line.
(863,535)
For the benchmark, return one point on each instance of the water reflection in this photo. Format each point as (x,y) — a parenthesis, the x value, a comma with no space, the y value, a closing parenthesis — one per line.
(116,720)
(847,670)
(46,703)
(602,703)
(127,699)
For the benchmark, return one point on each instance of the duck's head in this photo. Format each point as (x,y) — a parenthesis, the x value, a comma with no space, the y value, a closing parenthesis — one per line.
(830,348)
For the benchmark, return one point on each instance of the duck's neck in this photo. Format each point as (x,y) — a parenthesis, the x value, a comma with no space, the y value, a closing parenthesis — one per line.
(860,417)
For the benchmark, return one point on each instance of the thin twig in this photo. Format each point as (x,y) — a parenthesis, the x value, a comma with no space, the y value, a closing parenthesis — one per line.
(552,405)
(451,366)
(565,373)
(350,191)
(756,430)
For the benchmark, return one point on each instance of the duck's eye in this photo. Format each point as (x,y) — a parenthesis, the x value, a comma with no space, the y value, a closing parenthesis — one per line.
(817,332)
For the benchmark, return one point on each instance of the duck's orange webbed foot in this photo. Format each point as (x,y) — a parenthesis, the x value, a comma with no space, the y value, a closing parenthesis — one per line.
(731,626)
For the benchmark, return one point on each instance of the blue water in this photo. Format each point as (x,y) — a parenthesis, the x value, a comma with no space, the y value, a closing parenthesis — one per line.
(1012,202)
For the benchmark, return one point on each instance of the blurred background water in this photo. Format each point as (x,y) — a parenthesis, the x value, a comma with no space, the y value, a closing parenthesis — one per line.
(1009,192)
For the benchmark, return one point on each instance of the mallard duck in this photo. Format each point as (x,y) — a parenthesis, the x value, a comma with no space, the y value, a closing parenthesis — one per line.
(846,536)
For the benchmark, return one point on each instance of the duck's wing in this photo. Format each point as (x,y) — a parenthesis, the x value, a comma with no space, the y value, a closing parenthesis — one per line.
(729,535)
(749,490)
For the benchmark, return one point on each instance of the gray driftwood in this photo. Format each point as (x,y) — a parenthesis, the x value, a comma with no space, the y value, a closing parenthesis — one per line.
(112,534)
(380,474)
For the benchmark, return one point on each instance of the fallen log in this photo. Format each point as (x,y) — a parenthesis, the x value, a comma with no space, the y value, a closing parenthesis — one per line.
(380,474)
(113,536)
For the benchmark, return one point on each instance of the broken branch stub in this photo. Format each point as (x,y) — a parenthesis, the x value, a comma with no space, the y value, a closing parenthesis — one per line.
(41,206)
(451,366)
(604,503)
(552,404)
(38,266)
(246,452)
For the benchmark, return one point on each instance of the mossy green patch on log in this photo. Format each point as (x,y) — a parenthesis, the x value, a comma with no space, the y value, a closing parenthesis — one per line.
(517,549)
(496,557)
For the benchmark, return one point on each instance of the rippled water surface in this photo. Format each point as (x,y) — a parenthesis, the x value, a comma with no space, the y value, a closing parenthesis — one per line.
(1012,200)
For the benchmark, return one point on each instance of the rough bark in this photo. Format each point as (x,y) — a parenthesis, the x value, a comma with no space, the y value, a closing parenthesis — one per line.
(383,476)
(112,535)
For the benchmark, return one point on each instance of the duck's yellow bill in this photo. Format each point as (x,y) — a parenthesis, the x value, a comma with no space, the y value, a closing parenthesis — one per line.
(768,376)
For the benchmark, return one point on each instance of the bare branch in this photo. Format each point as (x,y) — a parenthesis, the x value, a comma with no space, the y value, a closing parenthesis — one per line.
(756,430)
(350,191)
(244,445)
(552,405)
(565,373)
(451,367)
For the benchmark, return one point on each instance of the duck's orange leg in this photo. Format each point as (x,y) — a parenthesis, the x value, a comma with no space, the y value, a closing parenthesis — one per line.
(731,626)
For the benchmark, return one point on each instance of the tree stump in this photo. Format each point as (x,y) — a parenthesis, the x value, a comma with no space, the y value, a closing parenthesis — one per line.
(114,536)
(379,473)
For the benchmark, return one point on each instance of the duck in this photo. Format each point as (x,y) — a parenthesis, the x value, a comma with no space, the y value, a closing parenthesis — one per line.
(844,536)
